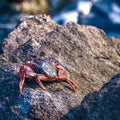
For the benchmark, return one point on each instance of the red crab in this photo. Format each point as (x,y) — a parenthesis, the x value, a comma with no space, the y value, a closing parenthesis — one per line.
(42,70)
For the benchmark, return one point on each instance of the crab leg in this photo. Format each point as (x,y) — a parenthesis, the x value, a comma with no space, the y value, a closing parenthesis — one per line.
(62,75)
(38,79)
(76,87)
(25,71)
(22,79)
(73,85)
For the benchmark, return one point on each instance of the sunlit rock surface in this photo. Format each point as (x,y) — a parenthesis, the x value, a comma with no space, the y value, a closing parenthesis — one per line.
(90,57)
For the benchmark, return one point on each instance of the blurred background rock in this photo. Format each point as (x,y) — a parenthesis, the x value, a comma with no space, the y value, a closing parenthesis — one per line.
(104,14)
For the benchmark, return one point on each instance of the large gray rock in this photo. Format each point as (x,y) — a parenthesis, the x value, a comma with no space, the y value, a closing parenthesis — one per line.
(90,57)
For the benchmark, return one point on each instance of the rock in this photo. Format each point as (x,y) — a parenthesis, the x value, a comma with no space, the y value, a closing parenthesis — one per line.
(34,103)
(29,28)
(104,104)
(90,57)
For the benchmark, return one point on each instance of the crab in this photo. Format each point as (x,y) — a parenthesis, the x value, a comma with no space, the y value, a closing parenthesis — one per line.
(42,70)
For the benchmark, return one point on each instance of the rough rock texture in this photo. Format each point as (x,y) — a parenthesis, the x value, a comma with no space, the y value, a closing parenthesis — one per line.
(104,104)
(90,57)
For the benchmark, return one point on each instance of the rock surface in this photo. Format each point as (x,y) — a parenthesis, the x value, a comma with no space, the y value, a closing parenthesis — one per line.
(90,57)
(104,104)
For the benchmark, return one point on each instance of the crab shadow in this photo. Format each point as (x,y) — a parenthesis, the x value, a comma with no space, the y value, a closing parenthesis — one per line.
(51,86)
(103,104)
